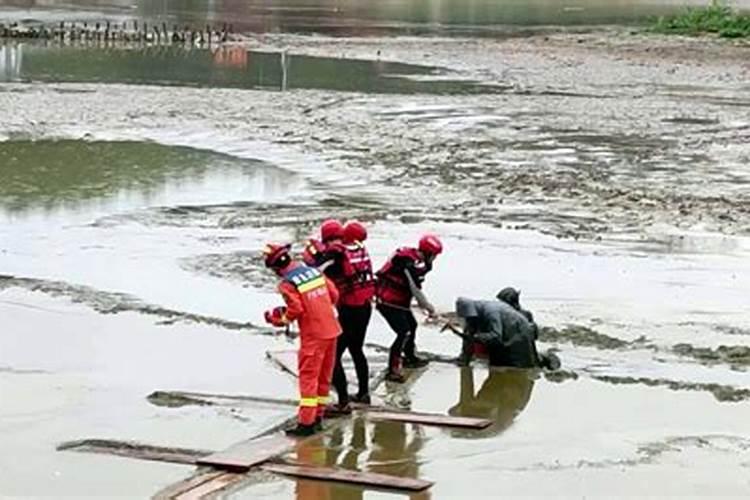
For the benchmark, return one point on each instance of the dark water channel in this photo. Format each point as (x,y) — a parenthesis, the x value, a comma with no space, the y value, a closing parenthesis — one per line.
(223,67)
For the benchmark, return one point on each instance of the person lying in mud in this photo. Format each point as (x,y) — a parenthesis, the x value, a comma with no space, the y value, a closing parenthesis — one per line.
(502,330)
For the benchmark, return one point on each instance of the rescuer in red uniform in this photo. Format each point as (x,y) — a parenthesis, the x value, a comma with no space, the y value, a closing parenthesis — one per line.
(344,258)
(398,281)
(310,300)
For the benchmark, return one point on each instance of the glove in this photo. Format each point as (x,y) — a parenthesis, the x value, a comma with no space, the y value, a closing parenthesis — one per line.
(313,253)
(431,312)
(276,316)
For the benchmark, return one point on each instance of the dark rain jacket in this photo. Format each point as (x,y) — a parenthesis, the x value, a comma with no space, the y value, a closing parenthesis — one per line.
(506,332)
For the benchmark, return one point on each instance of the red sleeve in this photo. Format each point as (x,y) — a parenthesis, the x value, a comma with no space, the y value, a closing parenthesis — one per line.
(333,292)
(294,307)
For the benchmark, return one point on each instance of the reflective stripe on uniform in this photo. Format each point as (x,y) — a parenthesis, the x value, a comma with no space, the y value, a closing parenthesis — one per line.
(324,400)
(311,285)
(308,402)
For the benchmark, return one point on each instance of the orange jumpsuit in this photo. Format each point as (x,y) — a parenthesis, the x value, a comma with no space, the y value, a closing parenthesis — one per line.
(311,299)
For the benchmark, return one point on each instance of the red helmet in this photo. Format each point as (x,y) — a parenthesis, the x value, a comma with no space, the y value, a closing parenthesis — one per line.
(354,231)
(277,256)
(430,245)
(331,230)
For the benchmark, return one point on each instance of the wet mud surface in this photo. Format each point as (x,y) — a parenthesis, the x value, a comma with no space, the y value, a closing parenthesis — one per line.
(580,168)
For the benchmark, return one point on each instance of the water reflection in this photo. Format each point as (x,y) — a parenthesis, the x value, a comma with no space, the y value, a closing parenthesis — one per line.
(10,62)
(380,447)
(504,394)
(79,175)
(227,67)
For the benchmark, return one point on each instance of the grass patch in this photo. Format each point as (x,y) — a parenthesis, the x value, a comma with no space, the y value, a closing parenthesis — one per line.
(717,18)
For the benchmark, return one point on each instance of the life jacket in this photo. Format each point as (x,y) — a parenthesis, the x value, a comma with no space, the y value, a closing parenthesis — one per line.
(319,317)
(392,286)
(357,284)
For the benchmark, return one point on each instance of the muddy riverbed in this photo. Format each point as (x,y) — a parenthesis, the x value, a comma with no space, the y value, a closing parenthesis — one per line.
(605,174)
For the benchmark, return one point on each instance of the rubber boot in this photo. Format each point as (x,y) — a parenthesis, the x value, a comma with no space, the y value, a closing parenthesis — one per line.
(337,410)
(361,399)
(415,362)
(301,430)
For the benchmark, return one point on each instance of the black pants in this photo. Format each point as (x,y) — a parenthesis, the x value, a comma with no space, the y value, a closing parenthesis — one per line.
(354,321)
(403,322)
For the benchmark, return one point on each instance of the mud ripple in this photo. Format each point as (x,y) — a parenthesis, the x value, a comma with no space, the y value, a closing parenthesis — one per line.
(722,393)
(650,453)
(586,337)
(732,330)
(244,267)
(738,357)
(301,216)
(114,303)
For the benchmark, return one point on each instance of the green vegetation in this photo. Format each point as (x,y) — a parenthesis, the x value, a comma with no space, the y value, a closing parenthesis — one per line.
(717,18)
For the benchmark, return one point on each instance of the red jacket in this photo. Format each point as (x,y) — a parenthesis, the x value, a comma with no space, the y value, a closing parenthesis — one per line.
(310,300)
(392,285)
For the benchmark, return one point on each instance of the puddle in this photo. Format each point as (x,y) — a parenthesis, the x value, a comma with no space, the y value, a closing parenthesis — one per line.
(78,176)
(535,435)
(225,67)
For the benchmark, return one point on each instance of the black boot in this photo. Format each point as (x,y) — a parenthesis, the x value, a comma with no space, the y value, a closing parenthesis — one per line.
(338,410)
(301,430)
(363,399)
(395,377)
(415,362)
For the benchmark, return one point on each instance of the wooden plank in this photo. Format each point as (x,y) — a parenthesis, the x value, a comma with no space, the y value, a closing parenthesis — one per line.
(131,449)
(280,360)
(176,399)
(431,419)
(171,491)
(218,483)
(246,454)
(348,476)
(286,360)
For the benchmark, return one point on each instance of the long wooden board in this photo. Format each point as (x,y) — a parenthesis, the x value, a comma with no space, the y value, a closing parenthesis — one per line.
(218,483)
(173,490)
(246,454)
(347,476)
(431,419)
(131,449)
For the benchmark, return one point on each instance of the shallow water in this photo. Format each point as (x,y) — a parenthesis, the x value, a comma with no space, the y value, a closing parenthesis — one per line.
(224,67)
(81,176)
(133,215)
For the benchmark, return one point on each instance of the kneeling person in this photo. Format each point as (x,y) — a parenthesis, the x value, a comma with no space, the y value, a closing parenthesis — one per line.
(503,329)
